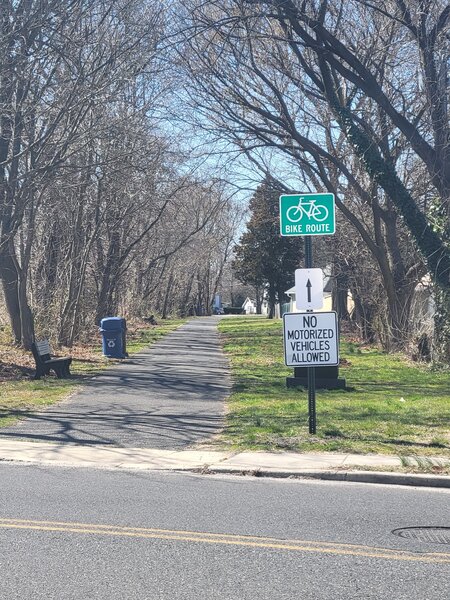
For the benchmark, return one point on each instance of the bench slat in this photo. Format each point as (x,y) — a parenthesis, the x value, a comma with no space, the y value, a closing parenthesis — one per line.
(43,347)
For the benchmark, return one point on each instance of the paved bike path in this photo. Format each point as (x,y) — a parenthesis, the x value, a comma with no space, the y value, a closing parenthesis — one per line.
(168,396)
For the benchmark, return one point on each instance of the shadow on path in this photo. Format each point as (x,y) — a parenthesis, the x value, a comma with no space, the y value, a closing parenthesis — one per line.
(169,396)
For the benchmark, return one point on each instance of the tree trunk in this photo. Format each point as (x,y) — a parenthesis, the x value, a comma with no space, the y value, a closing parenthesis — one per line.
(14,282)
(258,300)
(441,339)
(272,301)
(339,293)
(107,303)
(26,316)
(167,296)
(186,297)
(10,283)
(363,317)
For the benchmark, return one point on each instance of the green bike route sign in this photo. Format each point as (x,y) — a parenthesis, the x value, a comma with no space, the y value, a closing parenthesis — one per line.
(307,214)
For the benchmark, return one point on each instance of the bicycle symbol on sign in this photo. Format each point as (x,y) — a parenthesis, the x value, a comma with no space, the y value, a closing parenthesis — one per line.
(316,212)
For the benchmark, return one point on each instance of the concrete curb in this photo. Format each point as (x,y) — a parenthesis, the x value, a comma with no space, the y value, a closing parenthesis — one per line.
(383,477)
(330,467)
(380,477)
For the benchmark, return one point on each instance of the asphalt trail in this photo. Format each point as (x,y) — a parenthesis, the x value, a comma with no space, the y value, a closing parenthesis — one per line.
(169,396)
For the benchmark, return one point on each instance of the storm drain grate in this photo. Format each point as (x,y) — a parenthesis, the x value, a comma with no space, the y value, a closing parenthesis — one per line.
(436,535)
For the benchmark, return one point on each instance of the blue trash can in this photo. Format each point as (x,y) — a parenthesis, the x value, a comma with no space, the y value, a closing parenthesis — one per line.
(113,330)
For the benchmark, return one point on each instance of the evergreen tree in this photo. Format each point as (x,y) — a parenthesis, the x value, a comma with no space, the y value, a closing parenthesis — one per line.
(263,257)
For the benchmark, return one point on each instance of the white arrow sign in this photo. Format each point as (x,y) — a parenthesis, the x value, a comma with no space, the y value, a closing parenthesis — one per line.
(308,289)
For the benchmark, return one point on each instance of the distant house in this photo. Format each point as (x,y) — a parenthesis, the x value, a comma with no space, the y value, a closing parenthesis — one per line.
(249,307)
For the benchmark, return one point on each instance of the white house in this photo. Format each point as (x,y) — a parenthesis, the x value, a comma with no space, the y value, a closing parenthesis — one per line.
(249,307)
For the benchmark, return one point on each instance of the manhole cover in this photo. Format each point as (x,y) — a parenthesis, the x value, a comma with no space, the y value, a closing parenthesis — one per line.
(436,535)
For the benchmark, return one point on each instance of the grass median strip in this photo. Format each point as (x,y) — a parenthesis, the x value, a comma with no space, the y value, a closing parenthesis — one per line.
(18,395)
(391,406)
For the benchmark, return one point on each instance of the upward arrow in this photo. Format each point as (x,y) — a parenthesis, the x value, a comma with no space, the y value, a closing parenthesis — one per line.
(308,286)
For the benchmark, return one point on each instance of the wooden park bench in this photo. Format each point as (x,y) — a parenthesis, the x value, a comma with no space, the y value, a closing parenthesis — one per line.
(46,362)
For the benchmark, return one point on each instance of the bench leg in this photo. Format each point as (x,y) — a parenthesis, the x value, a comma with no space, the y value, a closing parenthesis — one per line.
(40,371)
(67,367)
(62,371)
(59,372)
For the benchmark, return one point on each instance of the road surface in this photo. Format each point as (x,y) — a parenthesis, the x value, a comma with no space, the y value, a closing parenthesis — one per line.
(85,533)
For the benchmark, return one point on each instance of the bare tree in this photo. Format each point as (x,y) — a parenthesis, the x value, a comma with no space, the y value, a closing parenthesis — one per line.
(267,72)
(56,61)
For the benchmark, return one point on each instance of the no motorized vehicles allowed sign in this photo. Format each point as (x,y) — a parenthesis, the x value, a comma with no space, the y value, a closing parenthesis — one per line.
(310,339)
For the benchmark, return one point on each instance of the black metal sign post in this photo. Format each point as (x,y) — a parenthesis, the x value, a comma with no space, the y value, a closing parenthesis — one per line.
(308,215)
(311,370)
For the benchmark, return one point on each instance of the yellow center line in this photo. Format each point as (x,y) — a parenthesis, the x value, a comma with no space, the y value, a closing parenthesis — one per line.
(187,532)
(227,539)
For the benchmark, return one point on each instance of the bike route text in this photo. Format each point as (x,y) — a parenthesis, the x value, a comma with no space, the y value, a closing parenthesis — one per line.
(309,228)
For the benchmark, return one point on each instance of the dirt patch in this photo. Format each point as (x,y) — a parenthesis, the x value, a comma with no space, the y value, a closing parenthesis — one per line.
(15,364)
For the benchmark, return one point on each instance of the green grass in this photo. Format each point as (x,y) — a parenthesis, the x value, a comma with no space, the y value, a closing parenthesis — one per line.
(17,397)
(392,407)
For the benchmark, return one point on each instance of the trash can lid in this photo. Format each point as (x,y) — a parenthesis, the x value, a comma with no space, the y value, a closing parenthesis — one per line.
(112,323)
